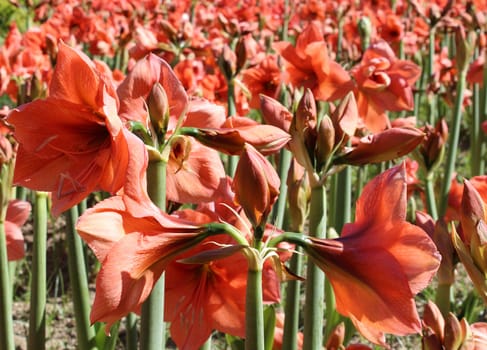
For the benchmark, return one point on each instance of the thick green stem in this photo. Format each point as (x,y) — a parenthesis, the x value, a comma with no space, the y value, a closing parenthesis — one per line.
(444,290)
(291,309)
(475,134)
(278,211)
(79,283)
(6,323)
(453,143)
(232,111)
(315,278)
(342,215)
(443,297)
(152,331)
(431,65)
(430,197)
(131,326)
(254,315)
(37,320)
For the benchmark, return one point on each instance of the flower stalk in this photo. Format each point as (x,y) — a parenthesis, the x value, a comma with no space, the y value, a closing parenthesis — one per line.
(37,320)
(152,330)
(78,276)
(315,278)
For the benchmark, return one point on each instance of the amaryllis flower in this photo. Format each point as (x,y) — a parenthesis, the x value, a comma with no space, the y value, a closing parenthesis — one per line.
(308,65)
(136,88)
(380,261)
(73,142)
(264,78)
(206,286)
(384,83)
(194,171)
(17,214)
(134,250)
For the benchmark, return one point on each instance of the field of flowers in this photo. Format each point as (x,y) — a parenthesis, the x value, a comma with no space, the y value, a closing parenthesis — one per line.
(249,174)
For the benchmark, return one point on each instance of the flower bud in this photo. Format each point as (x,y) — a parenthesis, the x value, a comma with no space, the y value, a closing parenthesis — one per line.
(158,106)
(231,140)
(325,141)
(386,145)
(256,185)
(275,113)
(298,194)
(465,45)
(345,119)
(433,146)
(455,332)
(365,31)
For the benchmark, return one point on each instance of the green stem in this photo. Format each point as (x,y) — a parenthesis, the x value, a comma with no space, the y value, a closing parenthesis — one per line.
(453,143)
(475,134)
(342,215)
(254,315)
(37,320)
(6,323)
(431,65)
(131,326)
(111,341)
(291,308)
(278,211)
(152,330)
(315,278)
(443,297)
(232,111)
(430,197)
(79,283)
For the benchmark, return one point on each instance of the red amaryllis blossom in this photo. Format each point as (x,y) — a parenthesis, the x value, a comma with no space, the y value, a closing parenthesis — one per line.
(264,78)
(17,214)
(308,65)
(134,247)
(136,87)
(194,172)
(380,261)
(73,142)
(384,83)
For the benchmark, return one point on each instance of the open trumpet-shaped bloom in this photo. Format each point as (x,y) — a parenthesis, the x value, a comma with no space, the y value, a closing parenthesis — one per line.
(384,83)
(134,251)
(308,65)
(73,142)
(380,261)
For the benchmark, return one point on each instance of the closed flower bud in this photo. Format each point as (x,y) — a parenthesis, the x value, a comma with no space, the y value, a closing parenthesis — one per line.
(298,194)
(325,141)
(256,185)
(386,145)
(345,119)
(158,106)
(231,140)
(465,45)
(433,146)
(306,112)
(365,31)
(456,332)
